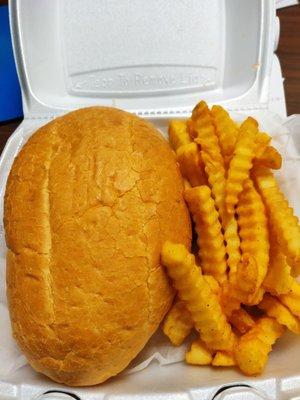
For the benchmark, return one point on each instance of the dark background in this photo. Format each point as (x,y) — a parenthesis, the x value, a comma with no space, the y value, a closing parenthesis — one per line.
(289,56)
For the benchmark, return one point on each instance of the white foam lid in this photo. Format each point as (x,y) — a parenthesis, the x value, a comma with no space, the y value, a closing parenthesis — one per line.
(153,57)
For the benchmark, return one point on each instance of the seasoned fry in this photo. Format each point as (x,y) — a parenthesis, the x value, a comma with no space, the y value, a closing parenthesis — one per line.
(241,320)
(233,244)
(274,308)
(230,297)
(216,178)
(190,128)
(269,158)
(191,164)
(206,137)
(186,184)
(198,354)
(178,133)
(292,298)
(178,323)
(201,302)
(204,127)
(278,279)
(253,348)
(208,228)
(248,244)
(253,224)
(258,297)
(213,283)
(223,359)
(262,139)
(248,278)
(241,162)
(243,288)
(283,221)
(226,131)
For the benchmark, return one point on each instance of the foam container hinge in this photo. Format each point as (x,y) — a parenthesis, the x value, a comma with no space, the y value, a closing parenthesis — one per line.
(155,58)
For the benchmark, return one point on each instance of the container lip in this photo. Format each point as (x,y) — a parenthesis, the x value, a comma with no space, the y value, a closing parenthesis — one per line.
(254,98)
(18,50)
(242,389)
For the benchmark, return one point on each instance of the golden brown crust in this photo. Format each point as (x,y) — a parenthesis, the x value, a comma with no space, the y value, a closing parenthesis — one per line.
(89,201)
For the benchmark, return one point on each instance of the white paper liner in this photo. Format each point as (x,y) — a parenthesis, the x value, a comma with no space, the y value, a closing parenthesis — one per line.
(158,348)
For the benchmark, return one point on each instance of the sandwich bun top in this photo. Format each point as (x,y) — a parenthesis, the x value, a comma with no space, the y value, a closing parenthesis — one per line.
(90,200)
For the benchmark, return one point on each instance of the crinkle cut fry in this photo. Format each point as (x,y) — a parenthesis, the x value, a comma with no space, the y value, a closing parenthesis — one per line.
(210,238)
(178,323)
(283,221)
(215,173)
(241,162)
(254,347)
(269,158)
(201,302)
(253,229)
(247,276)
(243,286)
(198,354)
(190,128)
(217,182)
(230,298)
(191,165)
(241,320)
(278,279)
(226,130)
(274,308)
(292,298)
(204,128)
(233,245)
(223,359)
(178,133)
(216,178)
(262,140)
(186,184)
(213,283)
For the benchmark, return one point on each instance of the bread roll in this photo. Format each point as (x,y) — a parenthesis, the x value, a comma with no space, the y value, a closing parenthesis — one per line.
(89,201)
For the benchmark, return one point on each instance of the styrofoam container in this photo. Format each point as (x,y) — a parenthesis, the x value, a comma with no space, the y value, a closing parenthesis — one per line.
(155,58)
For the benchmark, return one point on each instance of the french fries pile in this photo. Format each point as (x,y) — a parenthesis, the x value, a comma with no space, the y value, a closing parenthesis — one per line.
(238,291)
